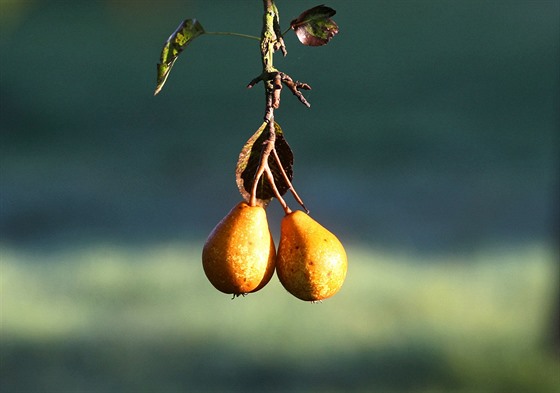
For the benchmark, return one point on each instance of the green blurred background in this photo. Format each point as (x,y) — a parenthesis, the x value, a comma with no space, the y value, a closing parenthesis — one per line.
(431,149)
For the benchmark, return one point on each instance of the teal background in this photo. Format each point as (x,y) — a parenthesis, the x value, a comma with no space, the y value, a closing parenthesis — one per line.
(431,145)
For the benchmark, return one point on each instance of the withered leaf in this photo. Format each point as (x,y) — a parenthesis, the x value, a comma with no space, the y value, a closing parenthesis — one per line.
(249,161)
(315,27)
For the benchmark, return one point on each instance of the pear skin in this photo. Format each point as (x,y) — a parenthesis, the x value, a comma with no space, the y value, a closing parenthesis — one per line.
(239,255)
(311,263)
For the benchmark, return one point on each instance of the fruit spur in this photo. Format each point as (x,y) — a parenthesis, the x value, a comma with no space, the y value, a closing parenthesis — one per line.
(239,256)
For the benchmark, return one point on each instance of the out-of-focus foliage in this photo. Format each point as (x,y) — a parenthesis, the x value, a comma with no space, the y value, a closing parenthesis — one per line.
(432,152)
(110,318)
(441,135)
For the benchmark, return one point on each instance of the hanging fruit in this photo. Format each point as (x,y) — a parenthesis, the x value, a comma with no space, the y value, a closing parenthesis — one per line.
(311,262)
(239,254)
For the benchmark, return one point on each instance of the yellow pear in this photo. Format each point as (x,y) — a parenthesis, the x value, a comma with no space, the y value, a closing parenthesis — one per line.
(311,263)
(239,254)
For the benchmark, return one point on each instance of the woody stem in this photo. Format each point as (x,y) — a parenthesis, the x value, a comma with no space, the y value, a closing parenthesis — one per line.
(271,40)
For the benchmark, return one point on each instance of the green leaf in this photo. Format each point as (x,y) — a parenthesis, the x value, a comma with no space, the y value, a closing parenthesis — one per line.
(187,31)
(249,160)
(315,27)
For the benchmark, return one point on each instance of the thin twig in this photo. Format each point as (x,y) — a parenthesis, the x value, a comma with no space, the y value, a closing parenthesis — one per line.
(294,88)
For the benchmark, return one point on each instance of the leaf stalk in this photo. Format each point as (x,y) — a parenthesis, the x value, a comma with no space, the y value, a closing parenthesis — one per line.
(252,37)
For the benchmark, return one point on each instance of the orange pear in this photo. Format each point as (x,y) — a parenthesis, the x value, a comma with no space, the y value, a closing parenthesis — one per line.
(239,254)
(311,263)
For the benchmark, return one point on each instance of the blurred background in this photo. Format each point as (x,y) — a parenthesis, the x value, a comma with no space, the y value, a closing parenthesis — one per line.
(431,149)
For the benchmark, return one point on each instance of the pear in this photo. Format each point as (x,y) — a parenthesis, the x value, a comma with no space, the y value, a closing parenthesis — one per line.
(311,263)
(239,254)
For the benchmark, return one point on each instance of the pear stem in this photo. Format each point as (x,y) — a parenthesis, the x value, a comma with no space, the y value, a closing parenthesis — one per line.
(267,148)
(288,182)
(281,200)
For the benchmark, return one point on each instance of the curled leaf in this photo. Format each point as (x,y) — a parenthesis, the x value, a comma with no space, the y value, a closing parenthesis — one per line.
(315,27)
(187,31)
(249,161)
